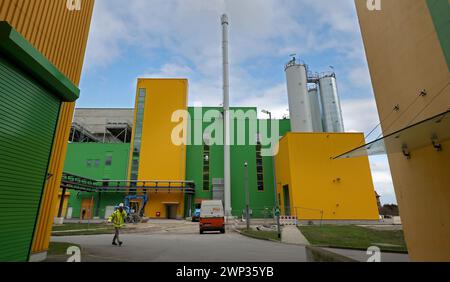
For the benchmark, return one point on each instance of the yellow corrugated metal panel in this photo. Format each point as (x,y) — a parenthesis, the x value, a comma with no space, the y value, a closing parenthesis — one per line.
(61,36)
(52,187)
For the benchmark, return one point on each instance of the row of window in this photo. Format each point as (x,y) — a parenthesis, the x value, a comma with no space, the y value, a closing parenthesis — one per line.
(259,168)
(138,134)
(96,162)
(206,156)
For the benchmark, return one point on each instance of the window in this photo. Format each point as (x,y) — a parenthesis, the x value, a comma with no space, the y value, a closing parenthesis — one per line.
(259,167)
(206,160)
(108,160)
(89,163)
(97,163)
(138,133)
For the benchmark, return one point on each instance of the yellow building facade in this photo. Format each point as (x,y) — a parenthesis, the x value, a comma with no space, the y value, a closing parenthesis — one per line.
(154,155)
(408,52)
(313,186)
(61,36)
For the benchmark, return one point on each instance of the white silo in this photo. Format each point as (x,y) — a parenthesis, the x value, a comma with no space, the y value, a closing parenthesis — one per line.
(299,105)
(316,112)
(331,104)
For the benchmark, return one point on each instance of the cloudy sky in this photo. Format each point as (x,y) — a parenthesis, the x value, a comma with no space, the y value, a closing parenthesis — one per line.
(182,38)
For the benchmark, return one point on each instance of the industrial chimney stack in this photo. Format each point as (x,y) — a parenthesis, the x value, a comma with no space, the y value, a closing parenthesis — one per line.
(226,115)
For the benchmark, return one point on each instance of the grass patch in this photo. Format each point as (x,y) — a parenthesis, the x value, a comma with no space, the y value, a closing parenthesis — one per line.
(84,232)
(73,229)
(78,226)
(59,248)
(266,235)
(355,237)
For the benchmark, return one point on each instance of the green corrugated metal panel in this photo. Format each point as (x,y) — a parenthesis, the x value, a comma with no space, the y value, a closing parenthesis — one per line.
(76,163)
(19,50)
(440,12)
(239,154)
(28,117)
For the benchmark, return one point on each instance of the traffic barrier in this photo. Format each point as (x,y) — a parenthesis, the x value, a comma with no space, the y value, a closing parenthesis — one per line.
(288,220)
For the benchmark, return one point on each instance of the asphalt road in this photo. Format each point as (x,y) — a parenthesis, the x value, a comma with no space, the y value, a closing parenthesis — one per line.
(160,247)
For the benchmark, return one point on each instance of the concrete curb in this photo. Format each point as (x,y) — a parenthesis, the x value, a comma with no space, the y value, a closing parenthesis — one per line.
(267,239)
(256,237)
(316,254)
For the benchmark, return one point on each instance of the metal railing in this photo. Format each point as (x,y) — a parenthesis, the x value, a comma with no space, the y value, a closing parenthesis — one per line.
(79,183)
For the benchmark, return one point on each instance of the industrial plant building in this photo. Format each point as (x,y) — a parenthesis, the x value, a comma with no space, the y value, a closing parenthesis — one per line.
(104,155)
(108,160)
(309,183)
(408,50)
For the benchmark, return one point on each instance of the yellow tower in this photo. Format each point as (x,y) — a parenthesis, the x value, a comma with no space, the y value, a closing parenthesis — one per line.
(154,155)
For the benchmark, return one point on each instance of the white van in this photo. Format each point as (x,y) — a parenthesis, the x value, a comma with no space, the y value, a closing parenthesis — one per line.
(212,217)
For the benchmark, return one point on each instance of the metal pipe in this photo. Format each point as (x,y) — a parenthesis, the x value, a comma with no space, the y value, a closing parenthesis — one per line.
(226,116)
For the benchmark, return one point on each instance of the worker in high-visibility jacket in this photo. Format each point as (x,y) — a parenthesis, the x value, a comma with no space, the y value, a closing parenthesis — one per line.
(118,219)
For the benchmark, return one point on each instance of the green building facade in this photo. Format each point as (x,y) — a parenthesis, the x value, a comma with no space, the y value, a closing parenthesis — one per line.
(100,162)
(204,165)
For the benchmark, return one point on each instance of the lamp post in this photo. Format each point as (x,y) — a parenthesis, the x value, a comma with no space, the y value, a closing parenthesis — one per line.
(247,197)
(275,187)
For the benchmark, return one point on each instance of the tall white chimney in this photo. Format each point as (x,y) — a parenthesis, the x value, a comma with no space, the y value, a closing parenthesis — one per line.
(226,113)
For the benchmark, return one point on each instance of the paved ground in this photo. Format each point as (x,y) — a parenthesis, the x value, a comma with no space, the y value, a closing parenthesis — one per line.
(180,241)
(230,247)
(363,257)
(292,235)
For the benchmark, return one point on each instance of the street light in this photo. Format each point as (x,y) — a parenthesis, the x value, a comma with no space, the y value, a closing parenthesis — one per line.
(247,197)
(275,187)
(268,113)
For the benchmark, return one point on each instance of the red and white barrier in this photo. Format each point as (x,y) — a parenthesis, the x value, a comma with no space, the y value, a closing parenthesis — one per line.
(288,220)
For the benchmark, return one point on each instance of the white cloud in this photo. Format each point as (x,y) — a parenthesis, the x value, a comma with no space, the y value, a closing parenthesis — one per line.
(360,115)
(382,179)
(360,77)
(106,35)
(171,71)
(190,28)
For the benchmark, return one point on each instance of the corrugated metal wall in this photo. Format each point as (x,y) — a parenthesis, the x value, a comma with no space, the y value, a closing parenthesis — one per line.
(23,161)
(60,35)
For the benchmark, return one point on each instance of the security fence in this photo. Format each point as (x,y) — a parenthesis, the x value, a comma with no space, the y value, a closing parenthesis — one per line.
(267,216)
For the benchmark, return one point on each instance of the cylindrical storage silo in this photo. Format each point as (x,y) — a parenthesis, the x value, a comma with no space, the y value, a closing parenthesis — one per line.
(316,112)
(331,104)
(299,105)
